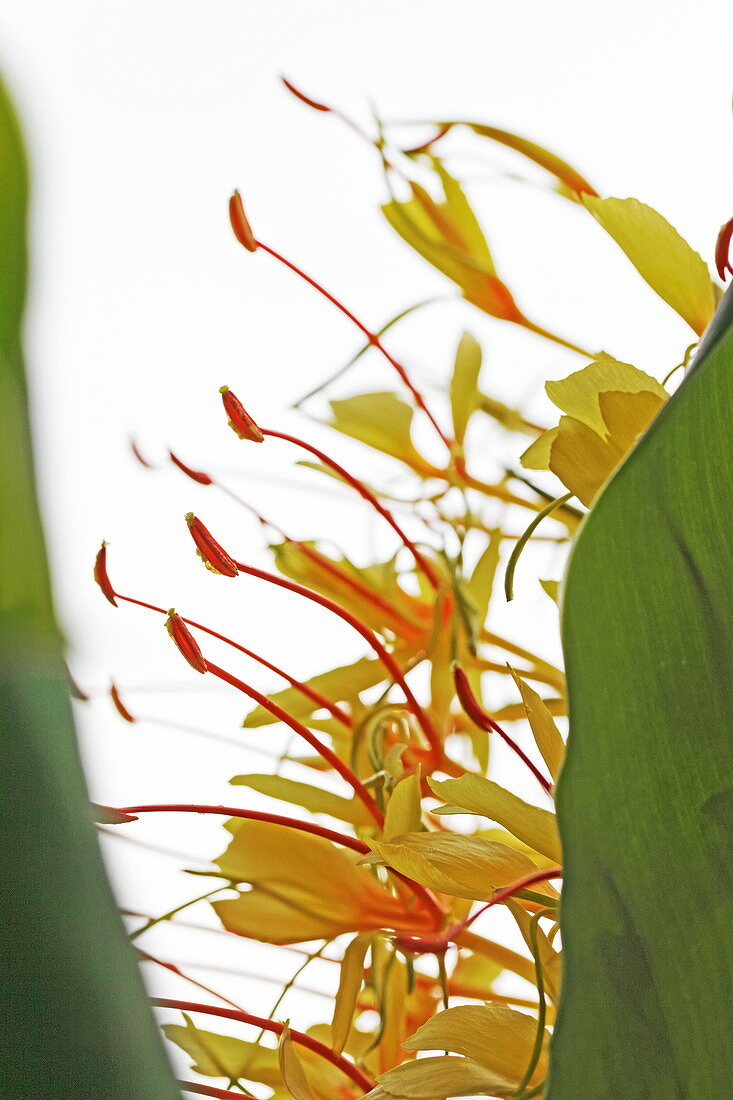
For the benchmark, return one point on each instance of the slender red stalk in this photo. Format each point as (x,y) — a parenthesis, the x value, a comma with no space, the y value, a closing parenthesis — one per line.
(485,722)
(440,943)
(210,1090)
(338,1060)
(366,493)
(310,738)
(372,337)
(304,689)
(343,839)
(145,956)
(369,636)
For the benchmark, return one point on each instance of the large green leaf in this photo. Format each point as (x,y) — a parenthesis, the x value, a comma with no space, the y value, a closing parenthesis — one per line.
(645,798)
(75,1018)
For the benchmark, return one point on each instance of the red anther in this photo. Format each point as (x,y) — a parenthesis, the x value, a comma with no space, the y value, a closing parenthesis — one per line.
(240,225)
(136,451)
(485,722)
(185,641)
(195,475)
(722,250)
(304,98)
(211,553)
(239,419)
(119,705)
(100,574)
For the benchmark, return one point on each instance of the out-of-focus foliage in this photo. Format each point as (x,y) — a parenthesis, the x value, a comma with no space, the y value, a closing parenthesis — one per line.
(75,1018)
(387,883)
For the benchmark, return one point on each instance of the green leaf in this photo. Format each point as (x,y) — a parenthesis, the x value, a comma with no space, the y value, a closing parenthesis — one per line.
(662,257)
(645,797)
(75,1011)
(465,396)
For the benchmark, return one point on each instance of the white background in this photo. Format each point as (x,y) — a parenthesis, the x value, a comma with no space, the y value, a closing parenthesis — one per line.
(141,118)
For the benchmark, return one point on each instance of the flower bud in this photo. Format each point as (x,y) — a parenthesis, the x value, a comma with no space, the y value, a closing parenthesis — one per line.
(211,553)
(239,419)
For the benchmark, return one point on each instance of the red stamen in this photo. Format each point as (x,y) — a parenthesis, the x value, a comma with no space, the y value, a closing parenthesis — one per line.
(304,689)
(322,749)
(366,493)
(240,225)
(250,815)
(369,636)
(346,841)
(304,98)
(100,574)
(119,705)
(438,944)
(211,553)
(195,475)
(722,250)
(185,641)
(239,419)
(485,722)
(372,337)
(136,451)
(351,1071)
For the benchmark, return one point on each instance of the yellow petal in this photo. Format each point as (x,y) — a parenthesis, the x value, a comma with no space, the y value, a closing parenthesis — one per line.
(464,391)
(225,1056)
(661,256)
(292,1071)
(546,734)
(315,799)
(498,1038)
(303,887)
(350,979)
(440,1079)
(537,455)
(578,395)
(404,810)
(477,795)
(464,866)
(380,420)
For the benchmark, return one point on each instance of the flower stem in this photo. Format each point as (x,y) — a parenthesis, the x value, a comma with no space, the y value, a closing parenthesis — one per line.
(369,636)
(425,566)
(372,337)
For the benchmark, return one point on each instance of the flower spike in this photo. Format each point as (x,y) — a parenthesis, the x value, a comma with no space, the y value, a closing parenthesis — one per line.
(185,641)
(240,225)
(211,553)
(100,574)
(722,250)
(239,419)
